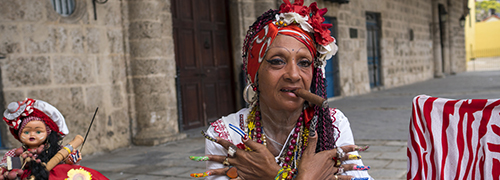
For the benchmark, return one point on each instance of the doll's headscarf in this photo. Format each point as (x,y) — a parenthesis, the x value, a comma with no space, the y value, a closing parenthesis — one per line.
(300,22)
(18,112)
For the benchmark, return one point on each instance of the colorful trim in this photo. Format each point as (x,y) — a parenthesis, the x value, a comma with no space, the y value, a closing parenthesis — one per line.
(220,129)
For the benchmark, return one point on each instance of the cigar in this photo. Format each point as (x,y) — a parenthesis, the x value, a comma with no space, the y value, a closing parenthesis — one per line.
(312,98)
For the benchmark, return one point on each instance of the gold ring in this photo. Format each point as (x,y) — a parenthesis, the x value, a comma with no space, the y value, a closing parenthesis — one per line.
(338,163)
(336,177)
(226,161)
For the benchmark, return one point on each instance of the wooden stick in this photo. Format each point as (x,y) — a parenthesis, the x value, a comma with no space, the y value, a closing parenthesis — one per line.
(312,98)
(88,130)
(63,153)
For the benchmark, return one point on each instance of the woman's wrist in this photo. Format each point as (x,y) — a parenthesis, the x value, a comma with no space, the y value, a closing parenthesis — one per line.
(277,170)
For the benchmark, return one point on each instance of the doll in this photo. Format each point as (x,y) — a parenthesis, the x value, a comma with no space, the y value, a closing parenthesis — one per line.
(40,127)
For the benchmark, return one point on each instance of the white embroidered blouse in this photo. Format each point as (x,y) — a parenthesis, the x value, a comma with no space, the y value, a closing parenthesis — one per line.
(221,129)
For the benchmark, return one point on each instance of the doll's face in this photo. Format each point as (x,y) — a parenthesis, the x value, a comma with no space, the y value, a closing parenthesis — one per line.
(34,134)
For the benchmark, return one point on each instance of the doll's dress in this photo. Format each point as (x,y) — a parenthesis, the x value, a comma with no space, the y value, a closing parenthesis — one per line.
(63,171)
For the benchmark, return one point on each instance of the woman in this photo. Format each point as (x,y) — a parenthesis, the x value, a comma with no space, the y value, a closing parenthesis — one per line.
(281,135)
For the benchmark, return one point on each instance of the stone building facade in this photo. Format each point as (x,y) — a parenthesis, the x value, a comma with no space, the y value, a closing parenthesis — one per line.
(122,58)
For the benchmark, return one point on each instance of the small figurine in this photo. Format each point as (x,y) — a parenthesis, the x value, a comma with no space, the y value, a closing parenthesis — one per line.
(40,127)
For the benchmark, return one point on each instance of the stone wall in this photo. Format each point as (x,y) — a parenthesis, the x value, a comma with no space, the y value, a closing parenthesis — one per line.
(75,63)
(457,36)
(404,61)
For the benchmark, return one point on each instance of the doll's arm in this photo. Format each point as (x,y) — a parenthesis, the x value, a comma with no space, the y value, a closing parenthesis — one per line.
(74,157)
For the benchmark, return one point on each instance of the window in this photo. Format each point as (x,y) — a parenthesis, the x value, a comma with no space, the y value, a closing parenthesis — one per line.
(64,7)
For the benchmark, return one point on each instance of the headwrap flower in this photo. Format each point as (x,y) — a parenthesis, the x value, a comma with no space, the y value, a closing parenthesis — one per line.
(301,22)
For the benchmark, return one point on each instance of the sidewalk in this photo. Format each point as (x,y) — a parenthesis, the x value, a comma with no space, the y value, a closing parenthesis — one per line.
(379,119)
(484,64)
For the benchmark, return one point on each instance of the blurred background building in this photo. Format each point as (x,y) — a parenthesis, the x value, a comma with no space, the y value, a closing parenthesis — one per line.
(482,30)
(156,68)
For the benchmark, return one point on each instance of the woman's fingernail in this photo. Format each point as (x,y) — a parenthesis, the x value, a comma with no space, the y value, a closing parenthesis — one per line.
(245,137)
(208,137)
(354,157)
(199,158)
(361,149)
(198,175)
(361,168)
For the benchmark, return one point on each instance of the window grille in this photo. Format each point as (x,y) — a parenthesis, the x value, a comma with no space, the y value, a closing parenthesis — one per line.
(64,7)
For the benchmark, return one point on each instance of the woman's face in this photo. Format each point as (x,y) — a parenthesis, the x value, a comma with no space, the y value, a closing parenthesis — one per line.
(33,134)
(288,65)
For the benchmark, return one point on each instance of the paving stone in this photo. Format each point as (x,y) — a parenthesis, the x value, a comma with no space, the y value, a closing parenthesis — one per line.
(387,173)
(173,171)
(397,164)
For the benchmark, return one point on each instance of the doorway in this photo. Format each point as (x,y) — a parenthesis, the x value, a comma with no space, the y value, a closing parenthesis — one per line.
(332,65)
(203,61)
(373,48)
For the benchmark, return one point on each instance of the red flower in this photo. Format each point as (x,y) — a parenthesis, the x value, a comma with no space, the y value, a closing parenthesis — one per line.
(316,19)
(241,146)
(321,31)
(297,7)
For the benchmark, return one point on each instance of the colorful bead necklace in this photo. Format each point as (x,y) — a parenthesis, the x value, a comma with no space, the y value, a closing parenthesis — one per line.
(294,146)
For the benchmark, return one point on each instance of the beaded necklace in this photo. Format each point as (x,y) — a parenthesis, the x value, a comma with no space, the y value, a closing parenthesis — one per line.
(294,146)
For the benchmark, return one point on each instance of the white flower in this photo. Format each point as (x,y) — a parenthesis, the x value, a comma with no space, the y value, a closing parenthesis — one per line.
(328,51)
(292,17)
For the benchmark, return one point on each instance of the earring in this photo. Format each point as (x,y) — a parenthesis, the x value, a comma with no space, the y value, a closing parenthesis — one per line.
(246,95)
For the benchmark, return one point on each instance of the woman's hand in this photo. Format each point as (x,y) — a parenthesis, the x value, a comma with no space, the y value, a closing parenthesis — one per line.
(256,164)
(321,165)
(260,163)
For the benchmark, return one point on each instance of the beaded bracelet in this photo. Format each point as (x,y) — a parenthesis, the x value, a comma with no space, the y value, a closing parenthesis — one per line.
(279,174)
(284,174)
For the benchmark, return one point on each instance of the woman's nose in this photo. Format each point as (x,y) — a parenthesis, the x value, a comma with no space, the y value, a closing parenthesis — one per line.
(292,72)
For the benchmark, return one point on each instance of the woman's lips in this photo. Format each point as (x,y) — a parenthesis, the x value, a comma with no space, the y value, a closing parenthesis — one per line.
(32,139)
(289,92)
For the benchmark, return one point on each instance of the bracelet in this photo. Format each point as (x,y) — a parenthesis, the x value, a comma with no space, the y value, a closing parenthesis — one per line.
(279,174)
(69,148)
(285,174)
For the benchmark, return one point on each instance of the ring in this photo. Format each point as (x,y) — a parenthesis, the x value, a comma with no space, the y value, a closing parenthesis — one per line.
(226,162)
(340,153)
(340,170)
(338,163)
(352,156)
(336,177)
(232,172)
(231,150)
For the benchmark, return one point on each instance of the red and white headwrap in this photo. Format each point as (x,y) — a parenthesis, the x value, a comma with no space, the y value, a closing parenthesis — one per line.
(18,114)
(300,22)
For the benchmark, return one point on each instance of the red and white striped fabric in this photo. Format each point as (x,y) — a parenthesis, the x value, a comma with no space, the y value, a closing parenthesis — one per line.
(454,139)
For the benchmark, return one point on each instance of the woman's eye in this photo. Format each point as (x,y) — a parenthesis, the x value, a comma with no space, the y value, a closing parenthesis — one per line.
(26,132)
(38,132)
(275,61)
(305,63)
